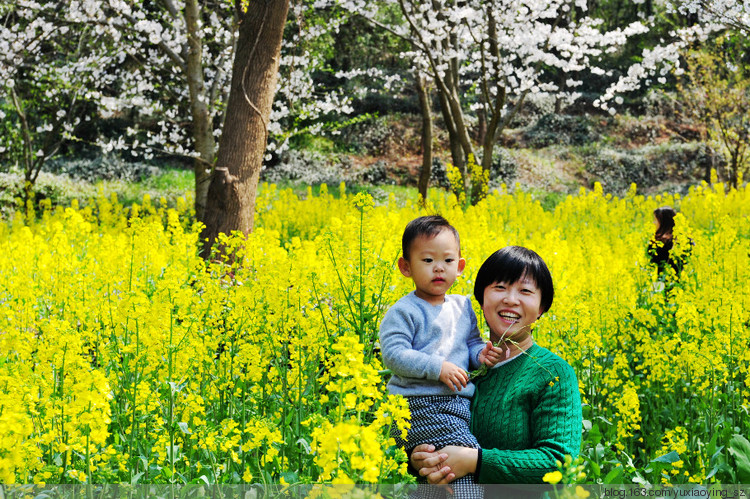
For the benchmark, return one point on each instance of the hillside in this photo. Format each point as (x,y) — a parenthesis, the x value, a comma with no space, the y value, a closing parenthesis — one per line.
(546,154)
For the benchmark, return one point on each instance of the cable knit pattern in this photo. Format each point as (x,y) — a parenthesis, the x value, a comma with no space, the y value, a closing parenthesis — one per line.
(523,424)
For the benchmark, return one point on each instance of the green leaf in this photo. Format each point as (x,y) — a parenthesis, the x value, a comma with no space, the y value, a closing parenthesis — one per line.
(712,472)
(594,434)
(639,479)
(605,420)
(595,468)
(614,476)
(305,445)
(739,448)
(670,458)
(290,476)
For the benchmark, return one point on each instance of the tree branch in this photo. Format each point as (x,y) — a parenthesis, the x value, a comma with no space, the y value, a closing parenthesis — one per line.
(247,66)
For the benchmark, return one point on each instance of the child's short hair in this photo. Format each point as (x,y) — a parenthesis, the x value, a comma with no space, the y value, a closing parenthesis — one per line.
(510,264)
(429,226)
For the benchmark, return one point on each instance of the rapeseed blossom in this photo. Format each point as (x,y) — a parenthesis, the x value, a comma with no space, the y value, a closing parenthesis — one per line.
(127,358)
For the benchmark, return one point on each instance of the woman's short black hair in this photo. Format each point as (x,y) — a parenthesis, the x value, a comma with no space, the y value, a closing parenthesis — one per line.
(510,264)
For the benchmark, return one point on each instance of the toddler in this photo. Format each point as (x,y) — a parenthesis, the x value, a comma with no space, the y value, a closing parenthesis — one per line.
(429,339)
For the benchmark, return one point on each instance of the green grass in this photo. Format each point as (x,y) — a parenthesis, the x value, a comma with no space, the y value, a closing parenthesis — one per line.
(380,193)
(169,184)
(172,180)
(172,183)
(61,190)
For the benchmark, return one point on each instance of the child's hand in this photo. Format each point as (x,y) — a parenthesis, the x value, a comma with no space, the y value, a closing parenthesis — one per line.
(491,355)
(453,376)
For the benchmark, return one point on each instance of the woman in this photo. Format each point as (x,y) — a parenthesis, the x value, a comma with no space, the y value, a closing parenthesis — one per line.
(660,246)
(526,412)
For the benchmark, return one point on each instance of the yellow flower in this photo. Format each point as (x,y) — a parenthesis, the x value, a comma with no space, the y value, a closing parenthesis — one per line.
(552,477)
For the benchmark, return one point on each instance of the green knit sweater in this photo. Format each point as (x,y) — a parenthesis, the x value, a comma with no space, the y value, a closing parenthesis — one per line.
(522,423)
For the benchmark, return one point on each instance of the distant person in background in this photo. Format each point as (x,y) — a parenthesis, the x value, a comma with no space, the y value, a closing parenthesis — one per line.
(660,246)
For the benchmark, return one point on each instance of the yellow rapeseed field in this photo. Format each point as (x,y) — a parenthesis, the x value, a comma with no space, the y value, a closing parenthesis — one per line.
(124,357)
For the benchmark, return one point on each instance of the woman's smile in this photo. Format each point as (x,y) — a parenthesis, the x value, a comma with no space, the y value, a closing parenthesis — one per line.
(509,317)
(510,308)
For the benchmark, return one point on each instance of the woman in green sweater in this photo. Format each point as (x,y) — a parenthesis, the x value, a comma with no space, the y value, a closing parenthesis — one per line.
(526,411)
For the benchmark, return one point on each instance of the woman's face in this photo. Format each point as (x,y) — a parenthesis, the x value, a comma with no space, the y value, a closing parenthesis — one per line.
(510,308)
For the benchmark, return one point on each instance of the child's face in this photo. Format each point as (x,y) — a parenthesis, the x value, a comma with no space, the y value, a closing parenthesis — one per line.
(434,263)
(510,308)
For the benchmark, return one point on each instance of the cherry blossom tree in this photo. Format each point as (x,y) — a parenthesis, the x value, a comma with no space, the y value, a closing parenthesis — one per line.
(165,66)
(176,57)
(51,75)
(733,14)
(711,17)
(485,57)
(231,200)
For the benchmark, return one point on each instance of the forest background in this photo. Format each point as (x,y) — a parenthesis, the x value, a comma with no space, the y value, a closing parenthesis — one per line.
(129,358)
(109,92)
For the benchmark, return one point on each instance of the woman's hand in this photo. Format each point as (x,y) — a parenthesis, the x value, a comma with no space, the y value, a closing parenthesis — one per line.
(491,355)
(445,465)
(429,463)
(461,461)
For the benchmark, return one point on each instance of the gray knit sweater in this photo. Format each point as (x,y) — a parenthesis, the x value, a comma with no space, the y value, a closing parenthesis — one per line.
(416,337)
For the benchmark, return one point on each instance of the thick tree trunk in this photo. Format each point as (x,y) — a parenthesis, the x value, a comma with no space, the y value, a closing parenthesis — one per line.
(231,194)
(426,105)
(205,144)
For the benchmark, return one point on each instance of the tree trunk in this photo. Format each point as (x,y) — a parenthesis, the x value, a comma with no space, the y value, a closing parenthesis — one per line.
(457,155)
(231,195)
(481,125)
(426,106)
(205,145)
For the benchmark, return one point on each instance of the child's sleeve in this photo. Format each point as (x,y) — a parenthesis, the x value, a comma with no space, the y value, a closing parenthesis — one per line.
(397,332)
(474,342)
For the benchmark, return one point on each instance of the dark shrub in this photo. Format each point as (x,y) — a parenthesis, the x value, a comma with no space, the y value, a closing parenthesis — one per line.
(106,167)
(438,175)
(306,167)
(504,168)
(559,129)
(377,173)
(369,136)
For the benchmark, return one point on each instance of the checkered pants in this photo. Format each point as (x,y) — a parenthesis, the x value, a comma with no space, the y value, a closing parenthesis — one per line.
(441,421)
